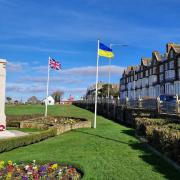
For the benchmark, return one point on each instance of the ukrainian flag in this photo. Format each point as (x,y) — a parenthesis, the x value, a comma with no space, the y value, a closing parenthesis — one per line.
(105,51)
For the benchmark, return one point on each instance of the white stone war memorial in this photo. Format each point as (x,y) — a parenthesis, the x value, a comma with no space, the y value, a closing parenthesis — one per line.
(3,132)
(2,94)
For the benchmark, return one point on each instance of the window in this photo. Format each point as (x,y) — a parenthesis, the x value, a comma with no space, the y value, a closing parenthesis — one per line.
(139,75)
(166,66)
(131,78)
(161,77)
(171,64)
(166,74)
(150,71)
(154,70)
(179,73)
(136,77)
(154,78)
(162,68)
(171,54)
(179,61)
(170,74)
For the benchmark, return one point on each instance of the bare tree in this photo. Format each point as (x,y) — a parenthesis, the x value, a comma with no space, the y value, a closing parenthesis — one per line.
(57,95)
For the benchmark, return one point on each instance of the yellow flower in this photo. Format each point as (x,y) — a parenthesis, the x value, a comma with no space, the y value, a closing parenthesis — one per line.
(35,167)
(54,166)
(10,162)
(9,175)
(1,164)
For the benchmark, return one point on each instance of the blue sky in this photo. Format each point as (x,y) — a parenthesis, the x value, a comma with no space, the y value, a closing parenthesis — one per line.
(33,30)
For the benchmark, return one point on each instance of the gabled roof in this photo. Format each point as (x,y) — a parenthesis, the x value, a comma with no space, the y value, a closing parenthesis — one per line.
(128,70)
(157,55)
(176,47)
(146,61)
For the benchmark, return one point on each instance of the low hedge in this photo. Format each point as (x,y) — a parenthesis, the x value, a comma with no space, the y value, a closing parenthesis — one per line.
(11,143)
(162,135)
(166,140)
(141,124)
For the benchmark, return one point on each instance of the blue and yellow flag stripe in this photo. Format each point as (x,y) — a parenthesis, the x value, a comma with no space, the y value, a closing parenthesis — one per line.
(105,51)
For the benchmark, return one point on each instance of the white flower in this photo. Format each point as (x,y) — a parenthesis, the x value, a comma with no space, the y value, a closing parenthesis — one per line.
(26,167)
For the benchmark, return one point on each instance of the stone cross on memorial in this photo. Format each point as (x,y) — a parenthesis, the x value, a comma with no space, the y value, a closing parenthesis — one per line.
(2,94)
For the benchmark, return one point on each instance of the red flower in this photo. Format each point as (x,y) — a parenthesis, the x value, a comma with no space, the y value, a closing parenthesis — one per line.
(2,127)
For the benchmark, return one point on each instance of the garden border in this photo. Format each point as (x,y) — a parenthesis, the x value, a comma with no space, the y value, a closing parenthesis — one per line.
(50,130)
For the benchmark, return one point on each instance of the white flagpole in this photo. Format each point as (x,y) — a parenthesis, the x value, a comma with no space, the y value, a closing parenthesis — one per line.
(95,113)
(47,90)
(109,81)
(109,78)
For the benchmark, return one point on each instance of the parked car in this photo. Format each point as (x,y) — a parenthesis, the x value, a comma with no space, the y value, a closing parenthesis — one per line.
(167,98)
(168,103)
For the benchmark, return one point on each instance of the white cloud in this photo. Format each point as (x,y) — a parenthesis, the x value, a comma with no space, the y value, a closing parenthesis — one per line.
(39,49)
(71,76)
(25,88)
(91,70)
(16,66)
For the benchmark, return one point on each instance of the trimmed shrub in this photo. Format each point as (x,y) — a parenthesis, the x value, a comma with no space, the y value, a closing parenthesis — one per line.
(11,143)
(162,135)
(165,140)
(13,124)
(141,124)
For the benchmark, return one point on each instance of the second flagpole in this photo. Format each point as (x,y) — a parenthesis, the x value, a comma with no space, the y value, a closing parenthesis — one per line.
(95,112)
(47,91)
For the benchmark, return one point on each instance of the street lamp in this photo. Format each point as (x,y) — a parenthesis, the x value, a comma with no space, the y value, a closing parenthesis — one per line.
(109,77)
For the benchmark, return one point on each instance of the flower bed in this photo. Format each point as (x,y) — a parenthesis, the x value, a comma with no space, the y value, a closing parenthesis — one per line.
(50,126)
(34,171)
(62,124)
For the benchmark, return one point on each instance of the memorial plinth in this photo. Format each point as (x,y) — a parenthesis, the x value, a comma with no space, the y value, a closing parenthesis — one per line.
(2,94)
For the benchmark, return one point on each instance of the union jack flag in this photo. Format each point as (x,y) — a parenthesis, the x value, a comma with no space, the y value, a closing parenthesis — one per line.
(54,64)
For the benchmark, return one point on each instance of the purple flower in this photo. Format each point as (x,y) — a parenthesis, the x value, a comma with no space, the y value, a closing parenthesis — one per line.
(42,168)
(24,178)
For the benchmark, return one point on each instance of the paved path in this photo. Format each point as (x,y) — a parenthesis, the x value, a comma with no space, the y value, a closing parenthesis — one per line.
(11,133)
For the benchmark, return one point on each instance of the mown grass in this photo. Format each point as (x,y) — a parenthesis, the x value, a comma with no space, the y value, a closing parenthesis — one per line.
(110,152)
(29,130)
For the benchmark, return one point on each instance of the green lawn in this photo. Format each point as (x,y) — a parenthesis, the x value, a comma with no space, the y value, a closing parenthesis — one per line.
(110,152)
(28,130)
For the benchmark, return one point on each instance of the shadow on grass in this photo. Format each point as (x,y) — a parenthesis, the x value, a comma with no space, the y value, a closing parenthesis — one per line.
(129,132)
(102,137)
(159,164)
